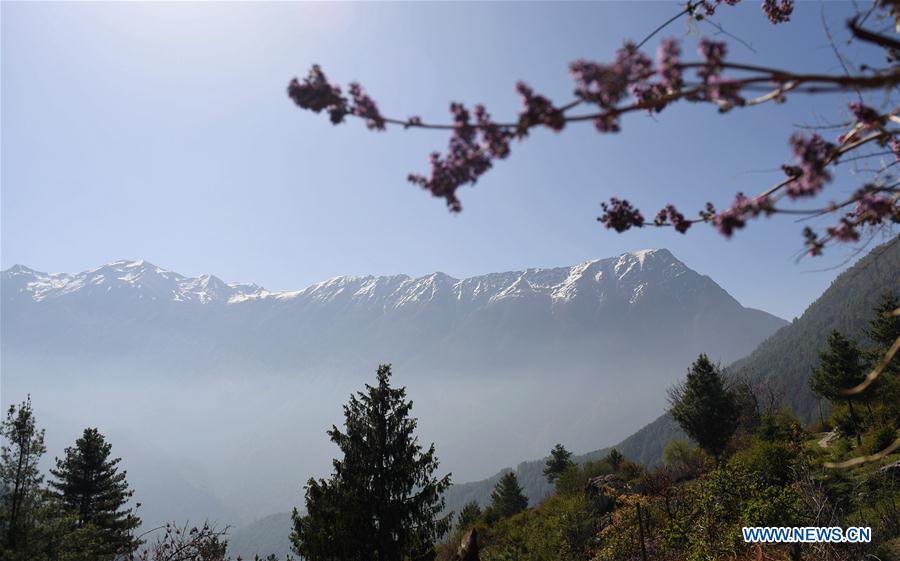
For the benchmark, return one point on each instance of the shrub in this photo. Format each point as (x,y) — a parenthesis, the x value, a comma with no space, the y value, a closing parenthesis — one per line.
(880,438)
(630,470)
(574,480)
(772,462)
(843,421)
(782,426)
(678,453)
(560,529)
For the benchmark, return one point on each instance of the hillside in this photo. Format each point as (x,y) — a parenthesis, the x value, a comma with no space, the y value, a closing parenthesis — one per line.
(783,362)
(644,446)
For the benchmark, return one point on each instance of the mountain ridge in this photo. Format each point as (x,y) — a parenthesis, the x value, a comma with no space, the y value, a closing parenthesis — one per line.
(558,282)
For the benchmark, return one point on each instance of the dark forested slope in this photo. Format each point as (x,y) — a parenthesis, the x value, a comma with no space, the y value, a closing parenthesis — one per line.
(784,361)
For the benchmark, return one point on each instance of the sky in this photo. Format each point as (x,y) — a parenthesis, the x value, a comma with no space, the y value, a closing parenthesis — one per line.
(162,131)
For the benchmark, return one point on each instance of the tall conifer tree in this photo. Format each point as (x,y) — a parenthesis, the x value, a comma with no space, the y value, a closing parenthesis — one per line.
(383,501)
(559,461)
(841,367)
(884,330)
(91,488)
(615,459)
(20,480)
(704,406)
(507,498)
(469,514)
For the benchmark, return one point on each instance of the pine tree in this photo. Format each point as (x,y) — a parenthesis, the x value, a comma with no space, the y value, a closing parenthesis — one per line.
(615,459)
(559,461)
(507,498)
(20,480)
(90,488)
(704,407)
(884,328)
(841,367)
(383,501)
(469,514)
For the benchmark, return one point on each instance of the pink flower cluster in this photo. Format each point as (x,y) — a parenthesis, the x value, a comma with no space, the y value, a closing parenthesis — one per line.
(872,208)
(709,6)
(494,138)
(668,60)
(865,116)
(316,94)
(778,11)
(538,110)
(364,107)
(723,92)
(669,215)
(466,158)
(620,215)
(810,174)
(743,207)
(605,85)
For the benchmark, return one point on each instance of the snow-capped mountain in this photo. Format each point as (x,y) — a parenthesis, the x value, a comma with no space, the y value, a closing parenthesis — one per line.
(501,366)
(629,278)
(135,279)
(133,305)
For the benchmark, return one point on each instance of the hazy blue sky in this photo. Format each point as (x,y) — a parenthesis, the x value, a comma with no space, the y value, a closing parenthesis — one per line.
(163,132)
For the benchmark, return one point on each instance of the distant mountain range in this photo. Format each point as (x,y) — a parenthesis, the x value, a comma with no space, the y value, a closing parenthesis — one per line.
(232,382)
(499,319)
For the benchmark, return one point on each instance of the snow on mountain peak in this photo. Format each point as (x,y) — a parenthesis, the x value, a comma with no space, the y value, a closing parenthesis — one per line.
(631,275)
(520,289)
(124,278)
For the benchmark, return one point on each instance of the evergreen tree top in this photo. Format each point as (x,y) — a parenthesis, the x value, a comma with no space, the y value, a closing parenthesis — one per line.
(469,514)
(20,479)
(841,367)
(383,500)
(21,438)
(90,486)
(507,498)
(615,459)
(885,326)
(559,461)
(704,407)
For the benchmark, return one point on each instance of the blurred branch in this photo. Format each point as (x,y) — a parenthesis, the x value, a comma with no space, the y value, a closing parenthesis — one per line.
(876,372)
(865,459)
